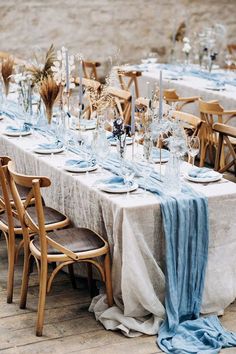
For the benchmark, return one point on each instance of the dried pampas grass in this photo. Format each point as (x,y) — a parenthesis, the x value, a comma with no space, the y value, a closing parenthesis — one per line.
(7,71)
(40,72)
(49,91)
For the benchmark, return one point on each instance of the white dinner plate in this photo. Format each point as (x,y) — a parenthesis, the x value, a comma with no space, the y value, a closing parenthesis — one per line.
(165,158)
(39,150)
(88,124)
(120,189)
(172,77)
(215,88)
(80,169)
(204,180)
(128,141)
(16,133)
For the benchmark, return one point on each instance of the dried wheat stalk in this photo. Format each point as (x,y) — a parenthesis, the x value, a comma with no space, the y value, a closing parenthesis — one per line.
(38,72)
(49,91)
(7,71)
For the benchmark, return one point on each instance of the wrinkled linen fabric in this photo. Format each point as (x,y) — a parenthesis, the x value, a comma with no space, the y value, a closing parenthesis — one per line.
(185,220)
(204,335)
(186,230)
(134,230)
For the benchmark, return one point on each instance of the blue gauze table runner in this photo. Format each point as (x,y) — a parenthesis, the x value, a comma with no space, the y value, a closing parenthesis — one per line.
(186,230)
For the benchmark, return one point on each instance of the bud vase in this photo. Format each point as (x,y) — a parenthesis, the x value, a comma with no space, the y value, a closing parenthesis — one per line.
(172,182)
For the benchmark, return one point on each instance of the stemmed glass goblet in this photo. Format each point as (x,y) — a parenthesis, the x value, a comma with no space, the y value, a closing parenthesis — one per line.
(193,144)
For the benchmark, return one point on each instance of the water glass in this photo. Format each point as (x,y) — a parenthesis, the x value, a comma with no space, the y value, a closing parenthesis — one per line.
(193,144)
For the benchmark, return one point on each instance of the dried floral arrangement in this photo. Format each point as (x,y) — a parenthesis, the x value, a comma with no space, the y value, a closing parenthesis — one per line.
(49,91)
(7,71)
(41,71)
(101,100)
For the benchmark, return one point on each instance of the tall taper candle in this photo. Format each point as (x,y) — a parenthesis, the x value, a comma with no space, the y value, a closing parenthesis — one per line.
(160,95)
(67,73)
(30,99)
(132,111)
(80,82)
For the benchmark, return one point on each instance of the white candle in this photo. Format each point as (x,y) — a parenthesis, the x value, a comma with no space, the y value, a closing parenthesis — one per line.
(132,111)
(30,99)
(67,73)
(80,82)
(160,95)
(148,90)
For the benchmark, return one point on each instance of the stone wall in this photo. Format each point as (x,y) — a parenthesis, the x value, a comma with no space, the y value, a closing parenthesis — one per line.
(123,29)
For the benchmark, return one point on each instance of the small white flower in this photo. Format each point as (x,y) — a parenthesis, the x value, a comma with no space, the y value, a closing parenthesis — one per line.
(187,48)
(186,40)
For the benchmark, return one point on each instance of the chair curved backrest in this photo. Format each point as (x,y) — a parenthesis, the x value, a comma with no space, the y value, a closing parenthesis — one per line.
(93,88)
(128,78)
(122,101)
(231,48)
(212,112)
(5,200)
(225,132)
(15,178)
(171,96)
(191,121)
(90,69)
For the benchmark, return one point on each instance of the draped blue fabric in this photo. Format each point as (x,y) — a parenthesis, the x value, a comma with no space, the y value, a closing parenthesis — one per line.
(186,230)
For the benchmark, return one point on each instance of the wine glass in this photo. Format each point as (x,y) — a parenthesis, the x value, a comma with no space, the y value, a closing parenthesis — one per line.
(139,132)
(193,144)
(128,174)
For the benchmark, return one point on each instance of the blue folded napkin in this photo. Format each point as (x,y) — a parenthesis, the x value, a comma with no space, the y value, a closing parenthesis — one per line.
(165,154)
(22,129)
(112,138)
(51,146)
(81,163)
(114,182)
(203,172)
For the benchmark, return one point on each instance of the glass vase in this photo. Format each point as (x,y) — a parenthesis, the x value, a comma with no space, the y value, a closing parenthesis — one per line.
(172,181)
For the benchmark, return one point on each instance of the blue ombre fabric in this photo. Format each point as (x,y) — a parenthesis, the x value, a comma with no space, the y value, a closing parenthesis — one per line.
(186,230)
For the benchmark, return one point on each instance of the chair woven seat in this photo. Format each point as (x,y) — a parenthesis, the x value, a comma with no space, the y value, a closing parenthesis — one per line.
(75,239)
(23,191)
(52,216)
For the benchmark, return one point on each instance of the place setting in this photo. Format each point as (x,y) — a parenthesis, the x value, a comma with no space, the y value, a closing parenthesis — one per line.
(112,174)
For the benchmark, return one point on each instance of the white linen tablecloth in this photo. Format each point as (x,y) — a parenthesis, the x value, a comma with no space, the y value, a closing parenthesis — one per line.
(187,86)
(133,227)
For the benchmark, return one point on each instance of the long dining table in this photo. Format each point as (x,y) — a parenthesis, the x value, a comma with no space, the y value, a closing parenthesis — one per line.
(219,85)
(133,226)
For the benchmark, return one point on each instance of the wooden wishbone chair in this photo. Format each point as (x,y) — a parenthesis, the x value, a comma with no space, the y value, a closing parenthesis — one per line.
(90,69)
(93,87)
(210,113)
(11,226)
(127,79)
(64,247)
(171,96)
(225,133)
(122,101)
(190,121)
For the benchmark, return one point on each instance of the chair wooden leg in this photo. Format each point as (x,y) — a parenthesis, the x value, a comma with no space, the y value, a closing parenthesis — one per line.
(42,299)
(72,275)
(90,279)
(25,279)
(107,266)
(11,268)
(203,153)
